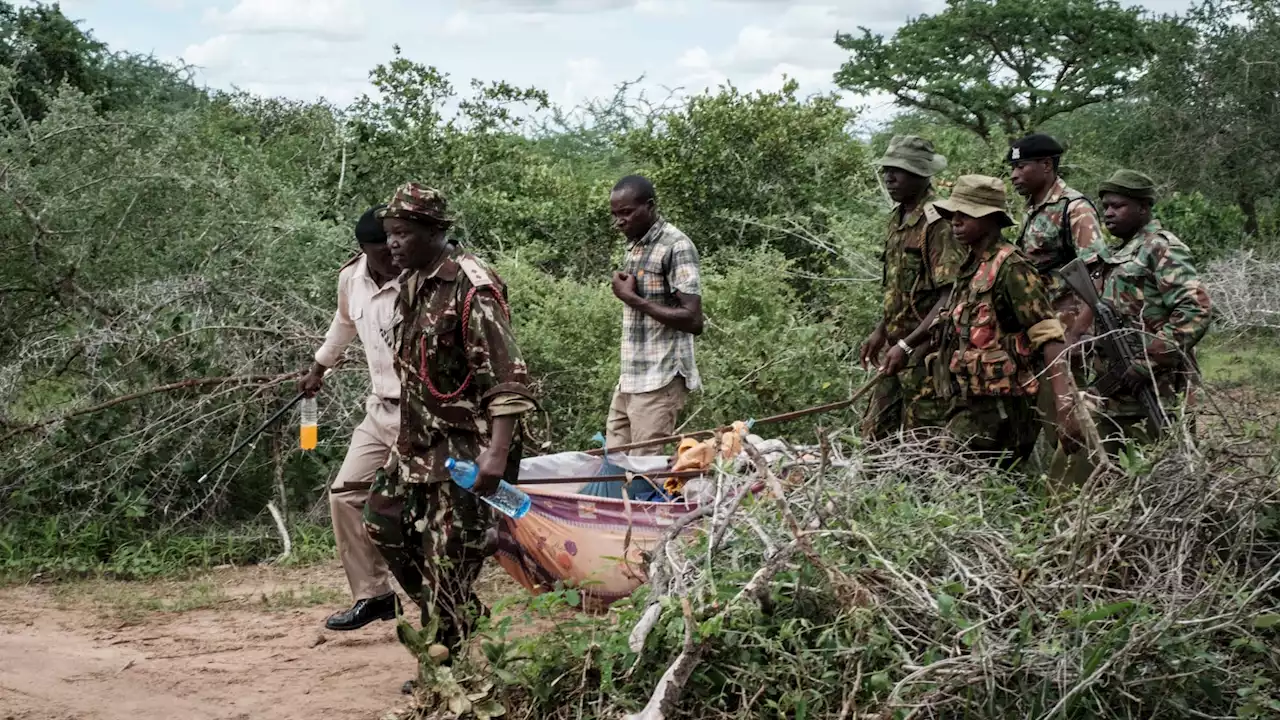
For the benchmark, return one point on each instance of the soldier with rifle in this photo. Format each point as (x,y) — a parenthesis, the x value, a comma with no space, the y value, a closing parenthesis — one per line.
(1148,316)
(1060,225)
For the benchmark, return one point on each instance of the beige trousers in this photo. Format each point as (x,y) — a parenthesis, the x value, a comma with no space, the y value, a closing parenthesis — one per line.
(636,417)
(371,443)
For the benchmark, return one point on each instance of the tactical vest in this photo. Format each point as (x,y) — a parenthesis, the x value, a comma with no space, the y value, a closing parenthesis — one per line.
(1066,250)
(989,360)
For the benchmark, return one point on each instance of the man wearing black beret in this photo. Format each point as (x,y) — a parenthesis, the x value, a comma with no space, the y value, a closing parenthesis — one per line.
(1059,225)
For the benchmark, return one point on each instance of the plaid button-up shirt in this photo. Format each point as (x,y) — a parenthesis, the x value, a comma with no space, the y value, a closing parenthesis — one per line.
(663,261)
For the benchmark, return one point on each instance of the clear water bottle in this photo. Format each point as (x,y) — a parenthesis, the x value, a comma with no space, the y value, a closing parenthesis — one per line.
(308,432)
(510,499)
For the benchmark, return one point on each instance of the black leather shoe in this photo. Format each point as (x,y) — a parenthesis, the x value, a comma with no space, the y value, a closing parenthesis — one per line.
(383,607)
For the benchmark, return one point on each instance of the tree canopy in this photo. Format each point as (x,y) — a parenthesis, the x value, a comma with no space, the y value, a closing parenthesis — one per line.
(1003,67)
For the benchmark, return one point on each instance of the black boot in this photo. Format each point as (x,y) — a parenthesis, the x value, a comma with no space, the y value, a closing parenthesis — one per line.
(383,607)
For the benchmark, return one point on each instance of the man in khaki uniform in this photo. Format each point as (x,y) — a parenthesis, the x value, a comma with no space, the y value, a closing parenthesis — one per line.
(661,292)
(921,262)
(367,291)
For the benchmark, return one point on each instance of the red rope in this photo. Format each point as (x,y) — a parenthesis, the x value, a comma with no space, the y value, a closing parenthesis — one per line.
(466,323)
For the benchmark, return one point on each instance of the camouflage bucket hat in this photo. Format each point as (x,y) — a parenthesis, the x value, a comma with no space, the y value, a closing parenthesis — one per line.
(418,203)
(976,196)
(913,154)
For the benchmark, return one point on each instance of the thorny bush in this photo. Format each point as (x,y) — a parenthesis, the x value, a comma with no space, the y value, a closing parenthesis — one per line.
(907,581)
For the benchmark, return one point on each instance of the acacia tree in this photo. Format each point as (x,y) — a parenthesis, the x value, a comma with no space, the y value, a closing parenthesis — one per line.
(1003,66)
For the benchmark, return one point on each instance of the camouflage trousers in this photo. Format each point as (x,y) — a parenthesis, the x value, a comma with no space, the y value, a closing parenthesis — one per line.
(435,537)
(1004,427)
(905,401)
(1117,423)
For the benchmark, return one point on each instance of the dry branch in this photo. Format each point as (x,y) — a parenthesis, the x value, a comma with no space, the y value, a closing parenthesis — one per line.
(239,380)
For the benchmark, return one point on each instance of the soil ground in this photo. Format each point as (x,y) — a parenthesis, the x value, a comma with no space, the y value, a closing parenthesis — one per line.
(233,644)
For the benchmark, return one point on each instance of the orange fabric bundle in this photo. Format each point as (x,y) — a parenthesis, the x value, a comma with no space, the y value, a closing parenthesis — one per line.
(695,455)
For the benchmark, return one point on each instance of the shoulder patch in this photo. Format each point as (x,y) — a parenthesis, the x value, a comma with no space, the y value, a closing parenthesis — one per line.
(476,273)
(931,214)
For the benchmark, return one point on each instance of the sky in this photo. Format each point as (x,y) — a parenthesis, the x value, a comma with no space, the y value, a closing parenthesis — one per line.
(574,49)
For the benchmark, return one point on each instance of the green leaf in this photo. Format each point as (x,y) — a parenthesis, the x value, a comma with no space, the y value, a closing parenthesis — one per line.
(880,681)
(1105,611)
(1266,621)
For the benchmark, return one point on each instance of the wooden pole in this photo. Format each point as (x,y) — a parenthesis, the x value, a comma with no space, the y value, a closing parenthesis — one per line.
(784,417)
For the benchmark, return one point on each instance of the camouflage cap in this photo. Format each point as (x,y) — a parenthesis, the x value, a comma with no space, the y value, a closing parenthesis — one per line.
(913,154)
(1129,183)
(419,203)
(976,196)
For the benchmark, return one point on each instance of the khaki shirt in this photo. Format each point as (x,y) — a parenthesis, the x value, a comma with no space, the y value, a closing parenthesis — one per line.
(365,311)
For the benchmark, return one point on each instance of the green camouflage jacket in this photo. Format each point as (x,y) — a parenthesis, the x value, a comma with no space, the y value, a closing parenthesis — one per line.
(1152,283)
(1043,240)
(459,366)
(921,258)
(999,316)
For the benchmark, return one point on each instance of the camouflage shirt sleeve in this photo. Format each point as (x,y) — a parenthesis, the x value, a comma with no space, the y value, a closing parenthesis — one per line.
(947,255)
(1181,293)
(501,376)
(1086,231)
(1023,300)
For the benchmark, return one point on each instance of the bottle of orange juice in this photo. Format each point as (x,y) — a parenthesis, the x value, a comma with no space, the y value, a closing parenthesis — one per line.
(308,433)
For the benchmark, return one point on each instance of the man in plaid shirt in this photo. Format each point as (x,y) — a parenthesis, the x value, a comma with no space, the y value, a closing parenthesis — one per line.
(661,292)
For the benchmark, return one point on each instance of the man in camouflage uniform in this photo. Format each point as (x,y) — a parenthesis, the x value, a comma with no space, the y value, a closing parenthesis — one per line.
(921,259)
(464,387)
(1152,283)
(1061,224)
(993,335)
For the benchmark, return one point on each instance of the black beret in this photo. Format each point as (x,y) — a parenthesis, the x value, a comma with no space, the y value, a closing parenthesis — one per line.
(369,228)
(1036,146)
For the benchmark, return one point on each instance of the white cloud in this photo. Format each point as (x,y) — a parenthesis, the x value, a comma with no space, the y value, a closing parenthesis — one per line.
(549,6)
(696,59)
(216,52)
(461,24)
(586,80)
(662,8)
(295,67)
(333,19)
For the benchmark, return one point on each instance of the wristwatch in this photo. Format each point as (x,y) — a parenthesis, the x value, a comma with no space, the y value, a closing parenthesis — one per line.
(905,347)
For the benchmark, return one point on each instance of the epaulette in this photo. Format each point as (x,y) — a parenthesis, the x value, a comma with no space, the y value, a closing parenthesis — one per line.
(476,273)
(931,214)
(354,259)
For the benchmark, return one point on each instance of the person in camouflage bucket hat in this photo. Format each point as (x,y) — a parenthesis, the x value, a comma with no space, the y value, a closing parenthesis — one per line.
(464,387)
(1152,283)
(982,339)
(921,260)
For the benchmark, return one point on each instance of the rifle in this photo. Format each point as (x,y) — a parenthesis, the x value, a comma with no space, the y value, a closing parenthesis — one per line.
(1120,345)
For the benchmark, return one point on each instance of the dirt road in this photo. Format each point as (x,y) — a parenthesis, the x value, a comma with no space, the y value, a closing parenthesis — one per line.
(237,644)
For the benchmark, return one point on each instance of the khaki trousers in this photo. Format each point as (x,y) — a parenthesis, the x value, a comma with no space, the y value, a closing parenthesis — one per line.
(371,443)
(636,417)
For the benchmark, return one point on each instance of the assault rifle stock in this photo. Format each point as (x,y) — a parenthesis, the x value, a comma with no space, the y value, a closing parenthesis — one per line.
(1120,345)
